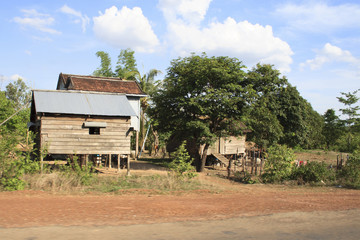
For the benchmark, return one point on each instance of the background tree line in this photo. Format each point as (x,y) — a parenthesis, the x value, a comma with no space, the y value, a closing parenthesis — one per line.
(202,98)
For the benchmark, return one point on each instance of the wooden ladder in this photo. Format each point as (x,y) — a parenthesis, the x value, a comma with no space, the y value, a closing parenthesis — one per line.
(221,158)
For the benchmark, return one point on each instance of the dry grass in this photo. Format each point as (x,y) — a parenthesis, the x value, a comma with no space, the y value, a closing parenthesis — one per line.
(58,182)
(329,157)
(54,182)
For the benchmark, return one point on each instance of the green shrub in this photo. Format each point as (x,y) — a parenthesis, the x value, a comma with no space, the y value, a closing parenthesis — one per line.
(181,165)
(278,164)
(349,175)
(312,172)
(14,164)
(84,173)
(245,177)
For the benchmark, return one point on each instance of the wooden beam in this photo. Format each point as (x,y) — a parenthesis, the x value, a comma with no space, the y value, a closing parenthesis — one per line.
(118,162)
(128,165)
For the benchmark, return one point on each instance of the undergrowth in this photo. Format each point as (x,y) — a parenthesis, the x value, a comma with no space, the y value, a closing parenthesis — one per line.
(60,183)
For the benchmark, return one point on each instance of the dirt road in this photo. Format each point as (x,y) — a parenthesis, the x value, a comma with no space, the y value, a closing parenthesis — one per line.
(251,209)
(293,225)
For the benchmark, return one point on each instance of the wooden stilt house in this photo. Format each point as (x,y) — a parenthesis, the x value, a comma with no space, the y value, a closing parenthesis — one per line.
(78,122)
(129,88)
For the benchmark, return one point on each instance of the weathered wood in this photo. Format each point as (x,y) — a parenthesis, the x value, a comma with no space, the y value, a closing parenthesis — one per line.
(118,163)
(227,146)
(73,149)
(90,144)
(85,118)
(66,135)
(137,145)
(86,139)
(59,136)
(128,166)
(87,151)
(52,122)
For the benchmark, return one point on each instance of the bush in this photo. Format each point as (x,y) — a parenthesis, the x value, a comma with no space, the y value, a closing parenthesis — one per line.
(14,164)
(83,173)
(313,172)
(245,177)
(349,142)
(349,175)
(278,164)
(181,165)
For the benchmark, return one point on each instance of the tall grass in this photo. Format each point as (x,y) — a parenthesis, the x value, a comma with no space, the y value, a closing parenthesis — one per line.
(71,183)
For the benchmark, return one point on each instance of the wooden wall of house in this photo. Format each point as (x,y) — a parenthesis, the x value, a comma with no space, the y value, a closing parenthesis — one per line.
(228,145)
(67,135)
(234,145)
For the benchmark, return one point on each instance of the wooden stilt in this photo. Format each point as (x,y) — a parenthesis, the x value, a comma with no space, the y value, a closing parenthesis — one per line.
(137,144)
(110,158)
(128,165)
(118,162)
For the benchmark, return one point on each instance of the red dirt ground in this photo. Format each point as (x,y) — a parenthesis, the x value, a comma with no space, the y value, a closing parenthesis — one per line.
(36,208)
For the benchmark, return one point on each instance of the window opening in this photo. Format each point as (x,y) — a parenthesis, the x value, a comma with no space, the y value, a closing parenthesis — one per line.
(94,130)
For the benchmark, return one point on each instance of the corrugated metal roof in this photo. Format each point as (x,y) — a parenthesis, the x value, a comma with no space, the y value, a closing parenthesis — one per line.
(82,103)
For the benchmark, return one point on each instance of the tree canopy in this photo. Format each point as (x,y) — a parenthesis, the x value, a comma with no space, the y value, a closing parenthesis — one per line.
(104,69)
(278,113)
(201,98)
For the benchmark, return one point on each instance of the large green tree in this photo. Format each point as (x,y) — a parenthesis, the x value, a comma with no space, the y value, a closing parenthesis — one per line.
(333,128)
(350,100)
(263,117)
(15,100)
(278,113)
(201,98)
(18,93)
(350,141)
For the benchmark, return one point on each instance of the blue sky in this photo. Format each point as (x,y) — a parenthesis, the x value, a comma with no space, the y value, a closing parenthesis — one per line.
(315,44)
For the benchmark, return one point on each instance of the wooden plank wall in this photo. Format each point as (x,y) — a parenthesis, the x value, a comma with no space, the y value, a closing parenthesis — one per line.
(228,145)
(66,135)
(234,145)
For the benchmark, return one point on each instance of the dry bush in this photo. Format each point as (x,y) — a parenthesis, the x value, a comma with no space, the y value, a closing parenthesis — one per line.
(54,182)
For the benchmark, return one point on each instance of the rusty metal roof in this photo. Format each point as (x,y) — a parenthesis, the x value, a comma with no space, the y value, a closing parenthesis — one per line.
(99,84)
(81,103)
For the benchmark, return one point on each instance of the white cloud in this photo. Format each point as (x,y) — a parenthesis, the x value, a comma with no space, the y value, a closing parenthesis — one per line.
(330,53)
(15,77)
(83,19)
(4,80)
(191,11)
(36,20)
(251,43)
(126,28)
(320,17)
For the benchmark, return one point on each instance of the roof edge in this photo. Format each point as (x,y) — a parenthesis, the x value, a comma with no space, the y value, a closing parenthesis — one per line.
(90,92)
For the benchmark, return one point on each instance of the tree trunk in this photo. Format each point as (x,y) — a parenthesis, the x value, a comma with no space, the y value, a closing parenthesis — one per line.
(156,141)
(202,160)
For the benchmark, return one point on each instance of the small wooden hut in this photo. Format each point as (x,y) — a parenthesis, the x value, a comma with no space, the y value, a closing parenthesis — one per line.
(129,88)
(83,123)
